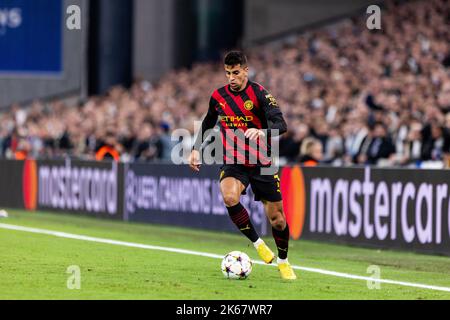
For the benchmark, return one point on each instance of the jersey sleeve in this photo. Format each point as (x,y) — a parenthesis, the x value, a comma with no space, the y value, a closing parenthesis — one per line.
(272,111)
(209,122)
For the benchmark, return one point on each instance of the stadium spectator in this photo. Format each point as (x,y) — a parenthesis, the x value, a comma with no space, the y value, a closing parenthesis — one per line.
(436,141)
(109,148)
(412,146)
(147,147)
(378,147)
(311,153)
(291,142)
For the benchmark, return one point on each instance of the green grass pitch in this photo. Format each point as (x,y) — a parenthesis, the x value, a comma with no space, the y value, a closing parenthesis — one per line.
(34,266)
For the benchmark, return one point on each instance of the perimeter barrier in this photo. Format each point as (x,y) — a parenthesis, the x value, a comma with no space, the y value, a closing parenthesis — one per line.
(407,209)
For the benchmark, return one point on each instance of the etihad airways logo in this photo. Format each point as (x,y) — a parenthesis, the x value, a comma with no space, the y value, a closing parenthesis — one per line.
(236,119)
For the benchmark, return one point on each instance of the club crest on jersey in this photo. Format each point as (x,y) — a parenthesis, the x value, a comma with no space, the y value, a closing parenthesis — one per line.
(248,105)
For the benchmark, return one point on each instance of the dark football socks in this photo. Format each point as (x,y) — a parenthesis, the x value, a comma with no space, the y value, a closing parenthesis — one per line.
(241,219)
(282,241)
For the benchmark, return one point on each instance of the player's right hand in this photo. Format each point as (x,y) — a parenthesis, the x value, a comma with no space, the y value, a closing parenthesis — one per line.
(194,160)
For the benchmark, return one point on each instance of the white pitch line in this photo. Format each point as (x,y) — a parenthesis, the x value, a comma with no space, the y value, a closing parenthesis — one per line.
(215,256)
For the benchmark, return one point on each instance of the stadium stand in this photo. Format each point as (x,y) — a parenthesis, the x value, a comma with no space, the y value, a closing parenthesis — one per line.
(379,97)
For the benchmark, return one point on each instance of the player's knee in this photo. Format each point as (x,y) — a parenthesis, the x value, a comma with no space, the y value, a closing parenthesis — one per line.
(230,200)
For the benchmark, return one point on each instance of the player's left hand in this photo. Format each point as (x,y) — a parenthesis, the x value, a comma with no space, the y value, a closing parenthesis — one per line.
(253,134)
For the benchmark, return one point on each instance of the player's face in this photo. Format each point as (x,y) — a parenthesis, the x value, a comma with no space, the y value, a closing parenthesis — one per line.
(237,76)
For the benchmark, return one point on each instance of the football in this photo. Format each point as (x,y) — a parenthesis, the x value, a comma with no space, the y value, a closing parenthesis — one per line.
(236,265)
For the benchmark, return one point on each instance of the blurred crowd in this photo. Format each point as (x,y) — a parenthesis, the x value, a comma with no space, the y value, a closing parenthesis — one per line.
(350,95)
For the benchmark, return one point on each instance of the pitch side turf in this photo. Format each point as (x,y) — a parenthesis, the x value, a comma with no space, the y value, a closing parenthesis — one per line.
(34,265)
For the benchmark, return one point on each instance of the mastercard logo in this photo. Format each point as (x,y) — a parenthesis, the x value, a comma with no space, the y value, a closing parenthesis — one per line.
(294,200)
(29,185)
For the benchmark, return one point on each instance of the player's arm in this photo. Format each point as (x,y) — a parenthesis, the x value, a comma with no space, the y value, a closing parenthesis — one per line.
(274,116)
(273,113)
(209,122)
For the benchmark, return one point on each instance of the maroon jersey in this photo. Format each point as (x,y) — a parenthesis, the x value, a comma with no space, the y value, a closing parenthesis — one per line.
(236,112)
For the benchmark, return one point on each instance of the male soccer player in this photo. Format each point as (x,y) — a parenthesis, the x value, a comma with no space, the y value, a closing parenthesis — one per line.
(244,109)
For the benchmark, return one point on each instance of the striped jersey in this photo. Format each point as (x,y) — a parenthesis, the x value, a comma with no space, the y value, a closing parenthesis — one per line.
(237,112)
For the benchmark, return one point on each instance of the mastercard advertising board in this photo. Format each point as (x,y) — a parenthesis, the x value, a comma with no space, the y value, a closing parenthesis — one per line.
(77,187)
(384,208)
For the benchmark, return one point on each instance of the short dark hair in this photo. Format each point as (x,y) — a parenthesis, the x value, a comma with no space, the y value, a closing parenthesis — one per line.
(235,58)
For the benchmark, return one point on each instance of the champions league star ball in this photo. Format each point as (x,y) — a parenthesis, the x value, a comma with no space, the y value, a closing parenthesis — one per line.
(236,265)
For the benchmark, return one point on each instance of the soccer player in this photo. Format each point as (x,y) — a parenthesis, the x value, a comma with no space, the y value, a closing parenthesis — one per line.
(245,111)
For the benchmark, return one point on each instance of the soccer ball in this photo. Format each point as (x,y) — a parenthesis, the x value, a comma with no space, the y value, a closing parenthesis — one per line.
(236,265)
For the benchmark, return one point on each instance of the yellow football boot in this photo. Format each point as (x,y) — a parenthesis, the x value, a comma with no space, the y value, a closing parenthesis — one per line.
(286,271)
(265,253)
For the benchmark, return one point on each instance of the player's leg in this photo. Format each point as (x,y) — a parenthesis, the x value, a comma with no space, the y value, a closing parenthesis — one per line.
(280,228)
(234,182)
(231,189)
(267,189)
(280,232)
